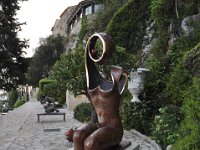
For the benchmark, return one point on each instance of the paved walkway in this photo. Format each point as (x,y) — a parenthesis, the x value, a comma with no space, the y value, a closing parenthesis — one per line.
(19,130)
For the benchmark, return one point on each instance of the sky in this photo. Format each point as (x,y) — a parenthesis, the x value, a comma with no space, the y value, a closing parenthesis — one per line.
(40,16)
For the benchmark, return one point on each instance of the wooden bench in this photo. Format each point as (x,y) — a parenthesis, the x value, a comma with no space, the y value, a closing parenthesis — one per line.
(56,113)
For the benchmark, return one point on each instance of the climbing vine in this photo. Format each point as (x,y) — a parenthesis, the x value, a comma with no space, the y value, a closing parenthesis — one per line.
(84,29)
(128,30)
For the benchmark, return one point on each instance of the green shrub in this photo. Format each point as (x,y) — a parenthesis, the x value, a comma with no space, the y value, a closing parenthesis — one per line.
(50,89)
(183,65)
(192,60)
(180,47)
(189,133)
(84,29)
(40,94)
(20,102)
(1,106)
(166,125)
(43,82)
(176,84)
(12,97)
(56,91)
(136,116)
(82,112)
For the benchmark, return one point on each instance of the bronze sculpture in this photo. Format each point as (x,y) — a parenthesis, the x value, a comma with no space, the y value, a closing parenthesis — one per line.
(49,104)
(105,98)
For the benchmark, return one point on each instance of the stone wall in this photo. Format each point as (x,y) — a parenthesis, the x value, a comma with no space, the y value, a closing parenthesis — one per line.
(187,24)
(60,26)
(56,28)
(73,36)
(73,101)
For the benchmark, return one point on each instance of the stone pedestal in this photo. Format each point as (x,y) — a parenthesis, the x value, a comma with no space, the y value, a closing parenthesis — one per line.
(73,101)
(122,146)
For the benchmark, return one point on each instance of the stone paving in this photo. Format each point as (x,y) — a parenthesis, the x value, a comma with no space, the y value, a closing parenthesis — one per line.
(19,130)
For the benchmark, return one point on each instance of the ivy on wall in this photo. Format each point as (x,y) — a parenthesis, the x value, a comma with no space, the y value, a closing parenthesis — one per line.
(84,29)
(171,73)
(128,25)
(189,131)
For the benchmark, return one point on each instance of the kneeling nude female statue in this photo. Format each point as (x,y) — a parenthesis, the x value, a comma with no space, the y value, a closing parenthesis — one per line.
(105,98)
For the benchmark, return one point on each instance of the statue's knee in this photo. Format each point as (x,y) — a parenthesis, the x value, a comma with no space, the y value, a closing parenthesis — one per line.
(77,137)
(90,144)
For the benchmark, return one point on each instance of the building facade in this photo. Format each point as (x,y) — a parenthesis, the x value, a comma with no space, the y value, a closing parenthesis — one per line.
(70,20)
(69,26)
(60,24)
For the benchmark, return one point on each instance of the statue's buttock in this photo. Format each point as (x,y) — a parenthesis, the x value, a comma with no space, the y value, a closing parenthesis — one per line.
(105,98)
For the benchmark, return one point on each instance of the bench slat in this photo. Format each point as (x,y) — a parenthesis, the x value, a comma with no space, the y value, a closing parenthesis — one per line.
(44,114)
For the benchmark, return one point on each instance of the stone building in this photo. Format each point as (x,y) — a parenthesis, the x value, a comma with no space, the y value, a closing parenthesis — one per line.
(60,24)
(69,23)
(69,26)
(84,8)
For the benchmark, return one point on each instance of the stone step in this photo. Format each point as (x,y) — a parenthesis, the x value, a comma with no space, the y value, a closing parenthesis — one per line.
(133,146)
(130,146)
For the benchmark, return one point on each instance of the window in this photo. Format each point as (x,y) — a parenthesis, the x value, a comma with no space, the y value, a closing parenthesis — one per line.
(97,7)
(88,10)
(1,8)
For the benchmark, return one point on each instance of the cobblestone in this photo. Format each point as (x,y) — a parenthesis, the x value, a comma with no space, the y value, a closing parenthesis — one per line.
(19,130)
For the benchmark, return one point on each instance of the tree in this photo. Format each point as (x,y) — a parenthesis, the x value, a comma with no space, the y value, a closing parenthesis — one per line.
(12,62)
(45,56)
(69,71)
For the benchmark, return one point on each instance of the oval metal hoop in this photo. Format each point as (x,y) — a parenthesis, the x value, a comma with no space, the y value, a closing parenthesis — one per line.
(108,47)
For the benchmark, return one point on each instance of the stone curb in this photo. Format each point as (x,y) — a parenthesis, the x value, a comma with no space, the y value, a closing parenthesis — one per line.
(146,139)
